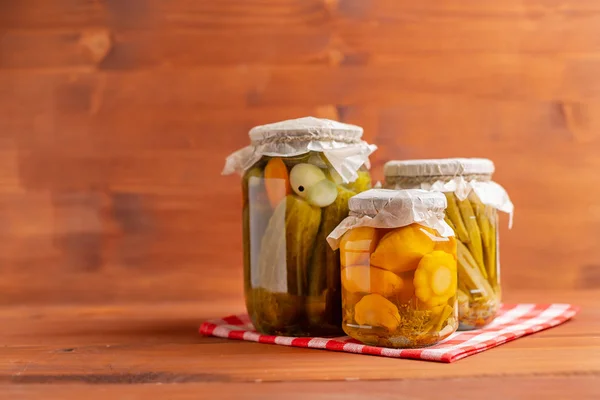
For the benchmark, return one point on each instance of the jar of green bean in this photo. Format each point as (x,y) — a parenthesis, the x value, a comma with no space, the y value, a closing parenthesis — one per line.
(473,204)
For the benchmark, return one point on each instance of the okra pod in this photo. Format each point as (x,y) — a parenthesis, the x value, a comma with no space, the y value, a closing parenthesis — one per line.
(453,214)
(470,221)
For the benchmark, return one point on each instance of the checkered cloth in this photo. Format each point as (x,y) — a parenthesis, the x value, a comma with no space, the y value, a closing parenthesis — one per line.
(512,322)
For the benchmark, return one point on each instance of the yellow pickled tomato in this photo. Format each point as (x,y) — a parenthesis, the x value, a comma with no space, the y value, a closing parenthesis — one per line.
(365,279)
(435,278)
(376,310)
(447,244)
(356,246)
(401,249)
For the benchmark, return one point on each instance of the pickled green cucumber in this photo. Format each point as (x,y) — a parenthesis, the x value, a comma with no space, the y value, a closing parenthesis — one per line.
(287,246)
(324,286)
(362,183)
(292,277)
(302,225)
(274,313)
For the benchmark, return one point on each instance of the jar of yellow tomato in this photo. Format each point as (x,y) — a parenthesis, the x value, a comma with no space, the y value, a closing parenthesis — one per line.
(473,202)
(398,268)
(297,177)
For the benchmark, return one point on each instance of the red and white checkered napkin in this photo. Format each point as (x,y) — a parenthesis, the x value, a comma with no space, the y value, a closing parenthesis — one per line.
(512,322)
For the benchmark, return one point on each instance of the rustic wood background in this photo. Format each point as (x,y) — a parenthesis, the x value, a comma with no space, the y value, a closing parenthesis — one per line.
(116,116)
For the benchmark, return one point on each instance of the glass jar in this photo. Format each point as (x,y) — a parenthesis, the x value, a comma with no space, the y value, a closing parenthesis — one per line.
(473,201)
(399,274)
(294,193)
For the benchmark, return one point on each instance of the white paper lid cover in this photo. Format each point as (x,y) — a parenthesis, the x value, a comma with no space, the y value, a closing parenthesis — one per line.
(439,167)
(385,208)
(375,201)
(307,128)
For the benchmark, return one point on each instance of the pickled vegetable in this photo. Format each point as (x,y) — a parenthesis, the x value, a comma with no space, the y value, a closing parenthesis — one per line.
(302,225)
(360,278)
(402,249)
(277,181)
(408,304)
(376,310)
(456,219)
(446,244)
(292,277)
(474,243)
(357,245)
(479,295)
(473,219)
(322,193)
(408,288)
(435,278)
(310,182)
(278,313)
(324,285)
(362,183)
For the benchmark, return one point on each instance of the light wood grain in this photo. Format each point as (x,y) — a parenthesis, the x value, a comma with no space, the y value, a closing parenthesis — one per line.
(585,387)
(134,344)
(115,120)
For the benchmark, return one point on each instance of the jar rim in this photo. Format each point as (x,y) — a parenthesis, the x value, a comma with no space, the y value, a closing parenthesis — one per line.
(442,167)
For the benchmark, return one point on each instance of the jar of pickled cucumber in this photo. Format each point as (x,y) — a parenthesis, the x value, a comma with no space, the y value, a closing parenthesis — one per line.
(398,269)
(297,177)
(473,202)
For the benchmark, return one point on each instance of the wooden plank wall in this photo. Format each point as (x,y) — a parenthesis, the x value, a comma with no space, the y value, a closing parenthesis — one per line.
(116,116)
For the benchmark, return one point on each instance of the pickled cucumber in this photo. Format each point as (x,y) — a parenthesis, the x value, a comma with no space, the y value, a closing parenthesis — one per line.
(275,313)
(325,261)
(291,275)
(325,264)
(301,228)
(362,183)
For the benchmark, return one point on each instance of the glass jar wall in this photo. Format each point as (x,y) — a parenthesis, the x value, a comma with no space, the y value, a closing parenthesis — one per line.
(399,274)
(473,201)
(291,275)
(476,227)
(398,286)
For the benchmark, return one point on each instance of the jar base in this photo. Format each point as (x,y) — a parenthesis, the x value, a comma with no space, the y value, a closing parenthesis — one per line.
(479,316)
(320,331)
(383,338)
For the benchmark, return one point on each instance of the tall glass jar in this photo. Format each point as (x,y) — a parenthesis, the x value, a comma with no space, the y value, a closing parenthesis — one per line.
(297,179)
(399,274)
(473,202)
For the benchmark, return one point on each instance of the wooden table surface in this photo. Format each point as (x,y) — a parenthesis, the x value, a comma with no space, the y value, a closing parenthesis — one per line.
(148,351)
